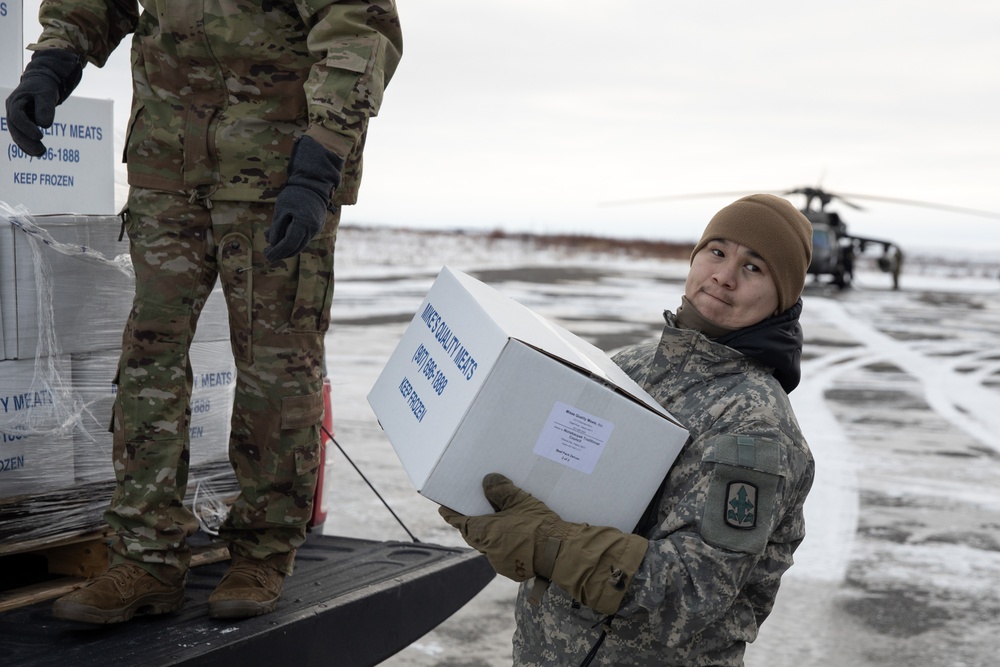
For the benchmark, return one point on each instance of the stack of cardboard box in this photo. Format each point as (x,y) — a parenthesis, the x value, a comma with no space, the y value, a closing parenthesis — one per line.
(65,293)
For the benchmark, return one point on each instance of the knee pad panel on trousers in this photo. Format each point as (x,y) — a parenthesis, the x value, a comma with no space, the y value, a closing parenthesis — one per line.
(148,450)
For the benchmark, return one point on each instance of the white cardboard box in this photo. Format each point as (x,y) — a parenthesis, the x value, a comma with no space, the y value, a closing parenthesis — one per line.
(11,42)
(89,301)
(76,173)
(90,298)
(213,323)
(2,355)
(479,383)
(35,457)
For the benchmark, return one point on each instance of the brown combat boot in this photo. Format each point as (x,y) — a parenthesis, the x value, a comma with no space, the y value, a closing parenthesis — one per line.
(249,588)
(122,592)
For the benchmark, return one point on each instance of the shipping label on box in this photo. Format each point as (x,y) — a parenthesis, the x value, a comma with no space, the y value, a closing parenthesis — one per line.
(36,456)
(478,383)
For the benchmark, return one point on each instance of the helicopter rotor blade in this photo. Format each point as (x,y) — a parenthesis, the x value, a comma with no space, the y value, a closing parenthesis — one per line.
(696,195)
(845,202)
(926,204)
(824,197)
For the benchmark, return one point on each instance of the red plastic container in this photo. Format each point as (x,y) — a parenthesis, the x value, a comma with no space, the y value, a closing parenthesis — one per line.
(321,500)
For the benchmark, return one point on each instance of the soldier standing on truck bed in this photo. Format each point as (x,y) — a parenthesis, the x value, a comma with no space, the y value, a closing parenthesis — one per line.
(246,136)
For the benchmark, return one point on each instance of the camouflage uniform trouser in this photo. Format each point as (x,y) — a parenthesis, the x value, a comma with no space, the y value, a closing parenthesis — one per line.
(278,315)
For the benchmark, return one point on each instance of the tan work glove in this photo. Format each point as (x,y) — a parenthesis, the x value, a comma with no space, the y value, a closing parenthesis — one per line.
(525,539)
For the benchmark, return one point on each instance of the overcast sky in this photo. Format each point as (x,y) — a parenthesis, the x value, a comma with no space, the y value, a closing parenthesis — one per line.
(526,116)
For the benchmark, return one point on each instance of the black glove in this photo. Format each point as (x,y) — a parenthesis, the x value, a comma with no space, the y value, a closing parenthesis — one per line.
(47,81)
(301,207)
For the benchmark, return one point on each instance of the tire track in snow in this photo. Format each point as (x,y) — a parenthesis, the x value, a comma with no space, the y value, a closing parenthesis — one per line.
(833,504)
(831,509)
(958,397)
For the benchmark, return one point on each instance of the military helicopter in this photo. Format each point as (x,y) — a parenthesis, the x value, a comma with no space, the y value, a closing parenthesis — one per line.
(834,249)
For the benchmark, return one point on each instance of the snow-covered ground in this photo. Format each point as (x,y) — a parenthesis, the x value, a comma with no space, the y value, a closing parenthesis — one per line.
(900,402)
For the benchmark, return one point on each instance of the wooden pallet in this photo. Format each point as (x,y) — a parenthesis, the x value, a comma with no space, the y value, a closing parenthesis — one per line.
(71,562)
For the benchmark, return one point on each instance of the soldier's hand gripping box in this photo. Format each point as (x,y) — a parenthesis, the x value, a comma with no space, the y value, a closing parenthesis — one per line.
(479,383)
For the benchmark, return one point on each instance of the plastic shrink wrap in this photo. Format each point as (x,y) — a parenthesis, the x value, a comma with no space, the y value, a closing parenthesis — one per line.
(66,288)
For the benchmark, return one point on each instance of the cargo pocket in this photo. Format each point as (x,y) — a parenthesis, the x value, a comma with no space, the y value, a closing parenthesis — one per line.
(740,510)
(314,287)
(299,413)
(349,73)
(236,268)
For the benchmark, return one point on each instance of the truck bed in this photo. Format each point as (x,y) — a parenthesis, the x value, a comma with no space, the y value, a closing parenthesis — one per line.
(350,602)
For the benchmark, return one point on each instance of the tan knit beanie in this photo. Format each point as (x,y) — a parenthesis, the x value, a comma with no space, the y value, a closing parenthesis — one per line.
(775,230)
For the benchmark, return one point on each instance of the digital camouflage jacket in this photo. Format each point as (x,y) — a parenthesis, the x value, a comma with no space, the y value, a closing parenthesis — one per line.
(727,520)
(221,88)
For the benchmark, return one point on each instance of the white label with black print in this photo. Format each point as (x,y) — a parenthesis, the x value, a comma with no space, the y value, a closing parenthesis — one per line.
(573,438)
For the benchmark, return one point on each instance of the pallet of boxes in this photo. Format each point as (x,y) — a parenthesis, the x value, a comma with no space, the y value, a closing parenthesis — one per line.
(66,289)
(65,293)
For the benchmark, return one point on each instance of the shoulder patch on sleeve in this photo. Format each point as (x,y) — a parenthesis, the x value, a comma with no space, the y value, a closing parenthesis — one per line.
(740,504)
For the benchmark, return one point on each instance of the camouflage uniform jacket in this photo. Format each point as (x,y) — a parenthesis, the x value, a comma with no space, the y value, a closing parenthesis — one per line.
(728,518)
(222,88)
